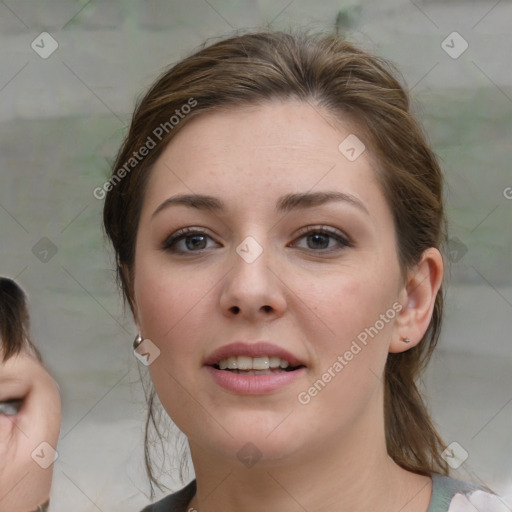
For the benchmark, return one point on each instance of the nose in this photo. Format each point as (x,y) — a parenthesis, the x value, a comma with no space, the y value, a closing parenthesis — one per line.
(252,290)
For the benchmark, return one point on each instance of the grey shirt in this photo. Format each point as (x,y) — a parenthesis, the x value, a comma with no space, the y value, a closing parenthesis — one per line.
(446,492)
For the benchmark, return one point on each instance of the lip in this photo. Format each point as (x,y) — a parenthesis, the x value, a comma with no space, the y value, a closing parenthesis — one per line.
(256,349)
(252,384)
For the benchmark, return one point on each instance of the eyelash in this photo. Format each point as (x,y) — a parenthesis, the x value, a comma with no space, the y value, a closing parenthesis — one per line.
(169,244)
(342,239)
(182,234)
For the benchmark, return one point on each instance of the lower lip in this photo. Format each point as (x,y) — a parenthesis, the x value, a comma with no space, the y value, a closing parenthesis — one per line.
(253,384)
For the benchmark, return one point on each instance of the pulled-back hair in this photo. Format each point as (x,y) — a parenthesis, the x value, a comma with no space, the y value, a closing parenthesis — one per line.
(344,83)
(14,320)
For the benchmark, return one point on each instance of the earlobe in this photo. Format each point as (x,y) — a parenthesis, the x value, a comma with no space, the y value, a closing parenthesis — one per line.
(419,296)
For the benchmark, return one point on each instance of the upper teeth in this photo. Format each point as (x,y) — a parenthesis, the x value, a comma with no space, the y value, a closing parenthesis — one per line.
(252,363)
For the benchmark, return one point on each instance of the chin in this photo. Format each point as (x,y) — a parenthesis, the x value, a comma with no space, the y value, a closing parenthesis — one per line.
(259,438)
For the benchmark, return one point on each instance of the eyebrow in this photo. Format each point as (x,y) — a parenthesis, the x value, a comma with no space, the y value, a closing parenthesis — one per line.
(285,203)
(310,199)
(199,201)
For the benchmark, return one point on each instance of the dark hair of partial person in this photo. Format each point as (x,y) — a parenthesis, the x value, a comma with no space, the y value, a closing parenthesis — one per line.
(345,84)
(14,320)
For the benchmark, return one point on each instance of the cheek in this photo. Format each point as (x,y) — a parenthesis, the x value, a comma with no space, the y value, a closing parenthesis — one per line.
(348,301)
(51,399)
(171,308)
(349,314)
(162,297)
(174,311)
(351,343)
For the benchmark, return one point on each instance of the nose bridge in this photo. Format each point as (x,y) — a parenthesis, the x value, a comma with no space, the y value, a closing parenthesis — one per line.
(251,265)
(251,287)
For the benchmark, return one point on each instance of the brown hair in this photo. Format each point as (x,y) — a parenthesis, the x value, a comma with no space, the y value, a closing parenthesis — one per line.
(14,320)
(342,81)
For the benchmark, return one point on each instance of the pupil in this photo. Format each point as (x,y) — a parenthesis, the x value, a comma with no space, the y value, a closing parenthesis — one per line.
(196,242)
(319,241)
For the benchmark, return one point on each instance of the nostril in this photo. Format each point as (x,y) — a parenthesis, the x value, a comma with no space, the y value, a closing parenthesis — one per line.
(235,309)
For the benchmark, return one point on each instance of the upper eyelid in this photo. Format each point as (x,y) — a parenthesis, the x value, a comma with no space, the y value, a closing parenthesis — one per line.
(329,230)
(320,228)
(183,233)
(13,388)
(192,230)
(187,231)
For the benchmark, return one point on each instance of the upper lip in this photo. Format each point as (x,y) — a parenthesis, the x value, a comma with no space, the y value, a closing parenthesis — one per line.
(255,349)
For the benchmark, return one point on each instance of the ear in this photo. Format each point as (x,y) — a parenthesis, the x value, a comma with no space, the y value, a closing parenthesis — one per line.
(418,298)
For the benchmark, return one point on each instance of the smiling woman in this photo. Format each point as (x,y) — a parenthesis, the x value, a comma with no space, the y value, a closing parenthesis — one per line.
(275,226)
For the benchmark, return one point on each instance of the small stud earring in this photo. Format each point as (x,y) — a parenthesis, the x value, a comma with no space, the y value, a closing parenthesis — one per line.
(406,340)
(137,341)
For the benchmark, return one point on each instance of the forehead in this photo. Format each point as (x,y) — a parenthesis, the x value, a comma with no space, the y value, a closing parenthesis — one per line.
(269,149)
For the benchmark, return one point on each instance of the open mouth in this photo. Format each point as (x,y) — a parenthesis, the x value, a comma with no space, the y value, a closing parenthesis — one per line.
(264,365)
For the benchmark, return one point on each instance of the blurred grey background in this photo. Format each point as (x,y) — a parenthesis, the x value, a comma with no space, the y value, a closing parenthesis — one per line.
(65,102)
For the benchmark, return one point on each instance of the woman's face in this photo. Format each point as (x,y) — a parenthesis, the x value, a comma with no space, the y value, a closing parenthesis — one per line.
(294,247)
(30,418)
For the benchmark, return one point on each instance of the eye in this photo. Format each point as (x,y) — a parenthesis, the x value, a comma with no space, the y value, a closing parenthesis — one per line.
(321,239)
(188,240)
(11,407)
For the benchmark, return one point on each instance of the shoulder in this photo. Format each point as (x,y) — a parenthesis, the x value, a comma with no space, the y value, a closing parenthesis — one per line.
(451,495)
(176,502)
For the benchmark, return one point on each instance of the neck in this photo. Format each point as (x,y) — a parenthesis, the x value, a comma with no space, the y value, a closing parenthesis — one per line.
(353,474)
